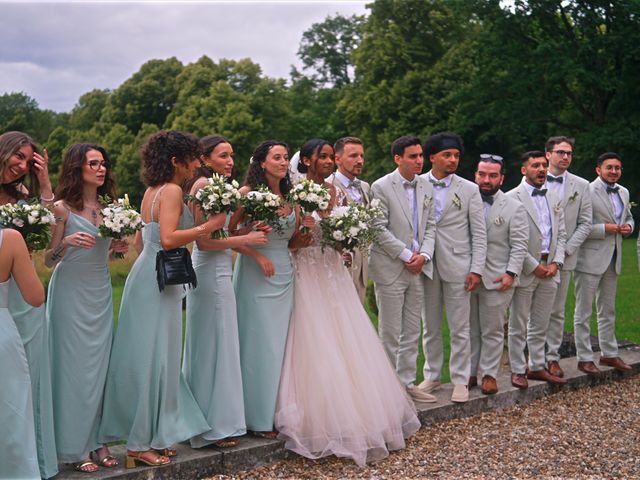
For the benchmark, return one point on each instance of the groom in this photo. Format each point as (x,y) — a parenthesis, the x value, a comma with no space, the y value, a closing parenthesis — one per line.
(400,255)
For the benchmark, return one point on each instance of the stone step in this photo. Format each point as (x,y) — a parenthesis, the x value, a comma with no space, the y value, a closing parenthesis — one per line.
(255,452)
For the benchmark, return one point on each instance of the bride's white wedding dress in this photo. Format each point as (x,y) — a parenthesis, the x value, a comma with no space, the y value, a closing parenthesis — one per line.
(338,392)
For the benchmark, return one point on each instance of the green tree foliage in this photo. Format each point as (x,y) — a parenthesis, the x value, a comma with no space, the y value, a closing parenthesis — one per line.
(20,112)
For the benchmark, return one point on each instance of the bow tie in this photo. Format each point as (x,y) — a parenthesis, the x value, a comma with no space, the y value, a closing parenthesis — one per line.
(487,199)
(354,183)
(551,178)
(437,183)
(411,184)
(613,189)
(539,191)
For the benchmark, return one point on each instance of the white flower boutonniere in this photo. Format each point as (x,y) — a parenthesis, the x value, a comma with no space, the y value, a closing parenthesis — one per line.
(573,197)
(427,201)
(557,207)
(499,220)
(632,205)
(456,201)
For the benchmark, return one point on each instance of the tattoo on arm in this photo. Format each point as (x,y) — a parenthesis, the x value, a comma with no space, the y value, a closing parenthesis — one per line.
(57,253)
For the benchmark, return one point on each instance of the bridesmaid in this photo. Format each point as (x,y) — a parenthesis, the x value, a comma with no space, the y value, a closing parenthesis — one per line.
(146,401)
(22,165)
(18,456)
(80,308)
(263,282)
(211,362)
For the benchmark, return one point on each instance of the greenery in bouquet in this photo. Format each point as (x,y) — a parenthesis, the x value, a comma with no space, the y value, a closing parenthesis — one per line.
(350,227)
(218,196)
(262,205)
(310,196)
(31,219)
(119,220)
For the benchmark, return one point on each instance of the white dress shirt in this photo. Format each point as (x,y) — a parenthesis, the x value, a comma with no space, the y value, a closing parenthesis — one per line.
(410,193)
(439,193)
(616,202)
(354,192)
(556,187)
(544,217)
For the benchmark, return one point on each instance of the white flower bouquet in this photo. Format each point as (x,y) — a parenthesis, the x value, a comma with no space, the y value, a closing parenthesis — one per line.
(119,220)
(310,196)
(31,219)
(217,196)
(350,227)
(262,205)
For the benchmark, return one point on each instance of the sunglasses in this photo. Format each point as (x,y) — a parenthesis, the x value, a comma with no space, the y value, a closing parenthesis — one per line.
(491,157)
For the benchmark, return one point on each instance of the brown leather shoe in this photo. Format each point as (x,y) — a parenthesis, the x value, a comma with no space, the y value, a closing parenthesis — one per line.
(519,380)
(545,376)
(589,368)
(615,362)
(489,385)
(554,369)
(473,381)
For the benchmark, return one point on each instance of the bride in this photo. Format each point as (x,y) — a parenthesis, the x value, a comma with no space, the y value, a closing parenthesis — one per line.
(338,395)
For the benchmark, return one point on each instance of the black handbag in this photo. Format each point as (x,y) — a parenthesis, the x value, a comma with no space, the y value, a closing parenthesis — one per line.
(174,267)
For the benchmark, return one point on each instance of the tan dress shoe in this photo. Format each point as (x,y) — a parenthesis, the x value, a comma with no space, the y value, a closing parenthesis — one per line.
(489,385)
(429,386)
(460,394)
(554,369)
(545,376)
(589,368)
(615,362)
(419,395)
(519,380)
(473,381)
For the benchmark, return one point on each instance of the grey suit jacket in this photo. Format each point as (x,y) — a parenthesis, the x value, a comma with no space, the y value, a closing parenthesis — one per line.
(461,234)
(343,193)
(558,234)
(507,237)
(597,251)
(577,217)
(396,227)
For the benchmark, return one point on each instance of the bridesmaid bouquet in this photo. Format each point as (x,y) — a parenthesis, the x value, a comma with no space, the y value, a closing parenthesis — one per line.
(310,196)
(119,220)
(262,205)
(350,227)
(31,219)
(216,197)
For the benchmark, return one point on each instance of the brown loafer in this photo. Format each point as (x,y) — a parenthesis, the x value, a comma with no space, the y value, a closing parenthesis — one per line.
(589,368)
(554,369)
(489,385)
(519,380)
(615,362)
(545,376)
(473,381)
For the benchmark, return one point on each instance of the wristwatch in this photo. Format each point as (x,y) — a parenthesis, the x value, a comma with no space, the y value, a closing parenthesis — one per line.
(511,274)
(559,264)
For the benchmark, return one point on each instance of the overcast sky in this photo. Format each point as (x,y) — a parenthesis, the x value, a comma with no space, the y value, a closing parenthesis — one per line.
(55,52)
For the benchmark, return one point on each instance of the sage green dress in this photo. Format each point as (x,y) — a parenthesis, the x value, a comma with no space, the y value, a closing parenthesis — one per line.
(264,311)
(80,312)
(18,456)
(147,400)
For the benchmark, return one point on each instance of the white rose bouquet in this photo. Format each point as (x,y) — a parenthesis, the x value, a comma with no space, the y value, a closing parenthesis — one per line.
(350,227)
(217,196)
(262,205)
(31,219)
(310,196)
(119,220)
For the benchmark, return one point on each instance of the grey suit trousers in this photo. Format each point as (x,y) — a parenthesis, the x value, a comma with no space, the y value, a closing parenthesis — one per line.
(556,321)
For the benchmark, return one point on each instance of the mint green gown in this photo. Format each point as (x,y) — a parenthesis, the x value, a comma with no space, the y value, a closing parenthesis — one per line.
(264,310)
(18,456)
(80,312)
(147,400)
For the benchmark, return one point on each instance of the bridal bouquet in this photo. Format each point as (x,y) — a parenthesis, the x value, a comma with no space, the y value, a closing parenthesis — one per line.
(310,196)
(118,220)
(216,197)
(350,227)
(262,205)
(31,219)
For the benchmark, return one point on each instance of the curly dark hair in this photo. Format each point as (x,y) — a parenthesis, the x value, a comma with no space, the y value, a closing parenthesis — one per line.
(70,178)
(255,172)
(207,145)
(160,148)
(10,143)
(310,148)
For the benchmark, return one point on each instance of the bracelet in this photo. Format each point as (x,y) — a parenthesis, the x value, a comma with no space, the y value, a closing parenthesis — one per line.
(201,230)
(48,200)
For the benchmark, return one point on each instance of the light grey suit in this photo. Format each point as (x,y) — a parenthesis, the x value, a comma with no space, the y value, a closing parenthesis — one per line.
(577,222)
(596,276)
(507,236)
(399,292)
(533,297)
(461,247)
(359,266)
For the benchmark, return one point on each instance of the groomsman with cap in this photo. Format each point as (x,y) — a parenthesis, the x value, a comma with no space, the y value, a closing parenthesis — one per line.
(599,264)
(459,259)
(349,157)
(507,236)
(538,284)
(575,199)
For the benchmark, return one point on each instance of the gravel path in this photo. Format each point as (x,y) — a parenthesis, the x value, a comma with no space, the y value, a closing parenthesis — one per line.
(586,433)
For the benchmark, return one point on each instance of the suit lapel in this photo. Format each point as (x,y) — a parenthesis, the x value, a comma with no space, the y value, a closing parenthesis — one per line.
(604,198)
(568,189)
(525,199)
(496,208)
(398,188)
(453,191)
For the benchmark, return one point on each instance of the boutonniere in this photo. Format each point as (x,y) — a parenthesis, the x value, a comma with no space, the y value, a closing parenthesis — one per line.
(573,197)
(456,201)
(557,208)
(499,220)
(632,205)
(427,201)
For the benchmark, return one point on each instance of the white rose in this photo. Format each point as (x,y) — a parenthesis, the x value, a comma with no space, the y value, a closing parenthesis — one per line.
(302,195)
(353,231)
(18,222)
(337,235)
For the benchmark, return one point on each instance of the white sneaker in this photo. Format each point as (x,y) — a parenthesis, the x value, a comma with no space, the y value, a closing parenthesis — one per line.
(429,386)
(460,394)
(419,395)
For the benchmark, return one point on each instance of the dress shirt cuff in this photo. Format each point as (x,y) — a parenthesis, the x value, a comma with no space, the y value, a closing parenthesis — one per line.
(405,255)
(426,256)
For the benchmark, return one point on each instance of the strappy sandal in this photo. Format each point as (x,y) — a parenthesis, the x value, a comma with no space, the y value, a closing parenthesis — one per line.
(137,457)
(108,461)
(167,452)
(227,443)
(82,466)
(272,435)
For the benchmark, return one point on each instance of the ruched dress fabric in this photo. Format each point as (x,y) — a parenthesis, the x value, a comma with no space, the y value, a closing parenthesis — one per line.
(211,363)
(18,456)
(147,400)
(80,313)
(339,394)
(264,310)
